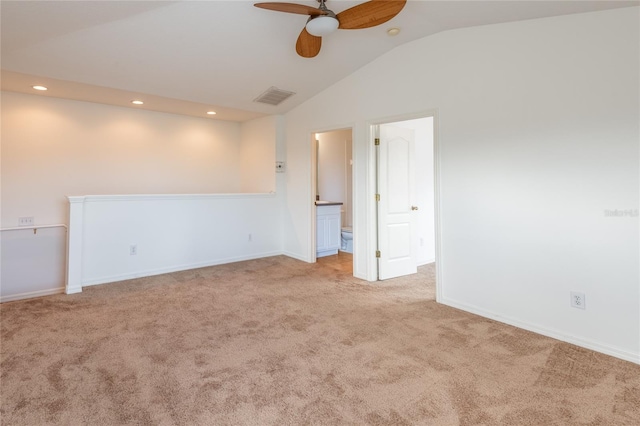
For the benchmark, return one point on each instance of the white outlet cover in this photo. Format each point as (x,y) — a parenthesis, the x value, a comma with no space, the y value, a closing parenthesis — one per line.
(578,300)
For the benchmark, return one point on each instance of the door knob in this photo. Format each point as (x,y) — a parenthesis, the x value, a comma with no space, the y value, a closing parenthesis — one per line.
(414,207)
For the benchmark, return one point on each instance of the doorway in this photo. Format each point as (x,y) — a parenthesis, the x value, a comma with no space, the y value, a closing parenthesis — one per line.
(405,196)
(333,179)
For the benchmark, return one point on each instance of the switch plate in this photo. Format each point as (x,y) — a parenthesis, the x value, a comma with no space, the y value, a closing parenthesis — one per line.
(26,221)
(280,167)
(133,249)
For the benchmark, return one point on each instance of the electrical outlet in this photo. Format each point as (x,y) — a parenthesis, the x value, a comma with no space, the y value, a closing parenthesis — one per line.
(578,300)
(26,221)
(133,249)
(250,237)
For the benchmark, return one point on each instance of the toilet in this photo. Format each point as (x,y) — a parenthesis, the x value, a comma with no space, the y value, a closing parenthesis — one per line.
(347,240)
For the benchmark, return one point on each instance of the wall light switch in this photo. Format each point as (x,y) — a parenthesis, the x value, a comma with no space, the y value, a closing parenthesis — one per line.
(280,166)
(26,221)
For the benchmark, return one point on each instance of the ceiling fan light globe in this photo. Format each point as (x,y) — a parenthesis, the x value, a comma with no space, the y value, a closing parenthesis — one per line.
(321,26)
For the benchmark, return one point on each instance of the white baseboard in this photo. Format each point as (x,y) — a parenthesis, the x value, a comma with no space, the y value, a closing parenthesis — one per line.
(555,334)
(159,271)
(426,262)
(296,256)
(73,290)
(360,276)
(31,294)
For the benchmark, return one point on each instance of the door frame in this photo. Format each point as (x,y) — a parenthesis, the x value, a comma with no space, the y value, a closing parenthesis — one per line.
(314,181)
(371,207)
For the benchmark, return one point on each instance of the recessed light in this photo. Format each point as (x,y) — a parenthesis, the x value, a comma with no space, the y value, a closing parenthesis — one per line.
(39,87)
(137,102)
(211,112)
(393,31)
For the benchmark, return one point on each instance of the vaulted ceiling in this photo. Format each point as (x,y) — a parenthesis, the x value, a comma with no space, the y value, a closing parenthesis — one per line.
(188,57)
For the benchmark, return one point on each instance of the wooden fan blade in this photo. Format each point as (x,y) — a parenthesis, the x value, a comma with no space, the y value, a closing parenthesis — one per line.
(308,45)
(369,14)
(291,8)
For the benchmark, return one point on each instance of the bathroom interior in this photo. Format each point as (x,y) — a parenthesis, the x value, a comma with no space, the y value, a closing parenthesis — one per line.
(334,164)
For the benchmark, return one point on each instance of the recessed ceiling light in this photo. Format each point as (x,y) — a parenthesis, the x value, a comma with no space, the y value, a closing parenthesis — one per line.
(393,31)
(39,87)
(211,112)
(137,102)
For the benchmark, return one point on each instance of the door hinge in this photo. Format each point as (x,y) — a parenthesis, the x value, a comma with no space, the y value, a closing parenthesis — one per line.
(377,197)
(378,253)
(377,141)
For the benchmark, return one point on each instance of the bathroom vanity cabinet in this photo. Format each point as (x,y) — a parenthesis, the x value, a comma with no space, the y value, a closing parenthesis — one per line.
(327,228)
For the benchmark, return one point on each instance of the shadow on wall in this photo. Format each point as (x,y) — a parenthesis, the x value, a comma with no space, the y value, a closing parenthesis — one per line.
(33,263)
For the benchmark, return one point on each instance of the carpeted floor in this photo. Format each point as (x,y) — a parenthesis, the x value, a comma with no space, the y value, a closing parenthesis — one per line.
(276,341)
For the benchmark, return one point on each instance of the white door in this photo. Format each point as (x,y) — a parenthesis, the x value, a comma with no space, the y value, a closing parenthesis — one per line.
(396,208)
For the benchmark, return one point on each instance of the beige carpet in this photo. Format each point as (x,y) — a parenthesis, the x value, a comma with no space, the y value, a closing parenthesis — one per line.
(280,342)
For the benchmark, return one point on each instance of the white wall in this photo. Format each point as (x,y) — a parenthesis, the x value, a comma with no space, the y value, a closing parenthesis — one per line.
(52,148)
(170,232)
(538,136)
(258,155)
(32,265)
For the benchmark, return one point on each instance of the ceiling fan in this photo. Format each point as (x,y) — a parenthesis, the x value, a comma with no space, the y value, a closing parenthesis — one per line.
(323,21)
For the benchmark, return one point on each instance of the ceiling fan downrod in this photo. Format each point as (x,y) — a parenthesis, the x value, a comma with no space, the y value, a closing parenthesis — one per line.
(323,6)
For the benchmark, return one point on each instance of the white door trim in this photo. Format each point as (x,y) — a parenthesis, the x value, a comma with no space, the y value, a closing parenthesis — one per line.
(314,182)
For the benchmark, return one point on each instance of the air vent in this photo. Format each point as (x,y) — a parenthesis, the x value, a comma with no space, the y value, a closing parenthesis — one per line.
(273,96)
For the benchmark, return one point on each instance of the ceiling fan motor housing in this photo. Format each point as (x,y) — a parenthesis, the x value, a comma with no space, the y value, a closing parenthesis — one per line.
(322,25)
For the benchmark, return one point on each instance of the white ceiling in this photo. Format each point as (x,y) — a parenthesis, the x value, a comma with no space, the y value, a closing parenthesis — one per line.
(187,57)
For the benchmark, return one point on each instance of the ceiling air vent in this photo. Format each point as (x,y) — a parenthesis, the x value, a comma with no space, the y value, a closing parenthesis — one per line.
(273,96)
